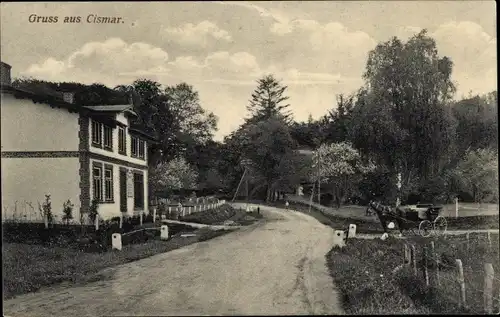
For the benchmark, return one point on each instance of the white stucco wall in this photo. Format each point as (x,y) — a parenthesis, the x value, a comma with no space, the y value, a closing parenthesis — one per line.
(26,126)
(30,179)
(114,154)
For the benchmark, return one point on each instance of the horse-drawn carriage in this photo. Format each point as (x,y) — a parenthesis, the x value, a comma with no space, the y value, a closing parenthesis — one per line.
(423,218)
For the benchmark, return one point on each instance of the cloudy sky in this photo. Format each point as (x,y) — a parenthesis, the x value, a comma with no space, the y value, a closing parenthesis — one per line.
(318,49)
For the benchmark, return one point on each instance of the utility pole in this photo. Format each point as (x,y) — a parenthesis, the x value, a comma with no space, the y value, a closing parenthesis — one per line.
(239,184)
(246,183)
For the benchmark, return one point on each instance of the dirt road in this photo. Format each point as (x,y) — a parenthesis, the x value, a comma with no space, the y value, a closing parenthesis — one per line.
(275,267)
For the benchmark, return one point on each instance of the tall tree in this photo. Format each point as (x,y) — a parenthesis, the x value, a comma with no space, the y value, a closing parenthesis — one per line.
(173,114)
(269,147)
(409,85)
(267,100)
(338,119)
(477,123)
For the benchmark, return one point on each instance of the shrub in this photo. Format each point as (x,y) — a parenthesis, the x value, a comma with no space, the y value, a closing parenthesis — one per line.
(68,211)
(93,210)
(46,209)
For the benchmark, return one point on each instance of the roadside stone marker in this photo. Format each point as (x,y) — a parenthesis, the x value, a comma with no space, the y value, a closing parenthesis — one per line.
(338,238)
(229,223)
(116,241)
(164,232)
(352,230)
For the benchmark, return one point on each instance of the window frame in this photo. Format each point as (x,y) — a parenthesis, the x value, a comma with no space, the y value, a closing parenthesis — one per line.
(97,194)
(96,134)
(108,183)
(107,146)
(138,178)
(134,150)
(141,148)
(122,140)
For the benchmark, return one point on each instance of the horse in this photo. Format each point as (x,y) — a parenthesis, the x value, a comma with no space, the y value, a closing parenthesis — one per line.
(385,213)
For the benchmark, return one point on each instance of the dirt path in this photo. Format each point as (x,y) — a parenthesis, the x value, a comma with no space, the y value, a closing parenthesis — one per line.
(276,267)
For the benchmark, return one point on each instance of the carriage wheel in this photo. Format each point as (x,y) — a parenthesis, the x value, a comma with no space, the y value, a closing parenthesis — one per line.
(425,228)
(440,225)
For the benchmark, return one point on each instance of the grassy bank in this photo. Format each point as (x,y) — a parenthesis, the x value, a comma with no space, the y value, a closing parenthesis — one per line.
(369,275)
(219,215)
(363,226)
(28,267)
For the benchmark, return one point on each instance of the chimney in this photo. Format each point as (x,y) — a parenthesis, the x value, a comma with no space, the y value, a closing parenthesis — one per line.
(5,74)
(68,97)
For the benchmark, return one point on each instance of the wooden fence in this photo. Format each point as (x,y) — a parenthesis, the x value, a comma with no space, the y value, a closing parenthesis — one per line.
(427,264)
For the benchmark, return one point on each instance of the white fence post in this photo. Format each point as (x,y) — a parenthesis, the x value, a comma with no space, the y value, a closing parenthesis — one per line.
(97,222)
(121,220)
(154,215)
(140,218)
(116,241)
(456,207)
(488,288)
(414,259)
(338,238)
(164,232)
(352,231)
(461,282)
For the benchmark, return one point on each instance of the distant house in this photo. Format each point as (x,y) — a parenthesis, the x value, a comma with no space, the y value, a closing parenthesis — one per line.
(53,146)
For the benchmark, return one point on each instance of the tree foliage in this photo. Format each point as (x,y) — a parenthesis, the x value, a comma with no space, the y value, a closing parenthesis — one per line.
(340,167)
(403,116)
(173,114)
(174,174)
(478,174)
(270,149)
(268,100)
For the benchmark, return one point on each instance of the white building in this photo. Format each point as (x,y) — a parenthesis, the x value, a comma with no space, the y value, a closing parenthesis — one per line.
(53,146)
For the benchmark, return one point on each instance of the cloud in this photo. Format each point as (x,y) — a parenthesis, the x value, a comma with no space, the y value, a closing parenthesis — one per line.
(324,47)
(103,62)
(406,32)
(114,61)
(198,34)
(473,52)
(275,15)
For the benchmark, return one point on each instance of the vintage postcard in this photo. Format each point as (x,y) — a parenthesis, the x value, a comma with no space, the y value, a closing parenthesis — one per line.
(249,158)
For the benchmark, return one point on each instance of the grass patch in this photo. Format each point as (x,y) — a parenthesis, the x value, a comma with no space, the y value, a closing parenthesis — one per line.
(29,267)
(364,272)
